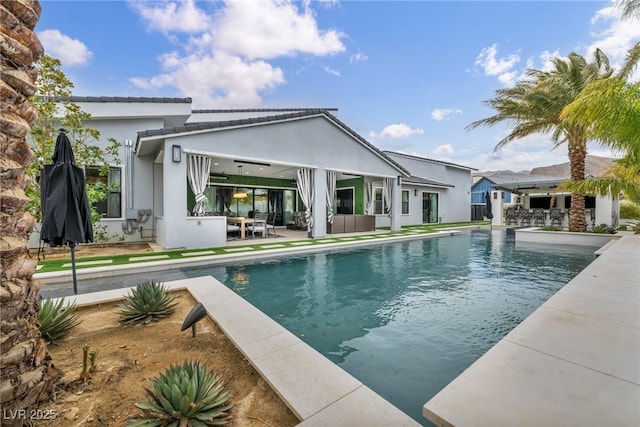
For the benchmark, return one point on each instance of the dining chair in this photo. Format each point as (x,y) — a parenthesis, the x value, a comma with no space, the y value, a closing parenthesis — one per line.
(271,223)
(260,225)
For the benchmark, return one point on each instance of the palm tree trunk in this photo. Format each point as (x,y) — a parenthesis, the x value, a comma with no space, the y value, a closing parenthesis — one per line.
(25,371)
(577,153)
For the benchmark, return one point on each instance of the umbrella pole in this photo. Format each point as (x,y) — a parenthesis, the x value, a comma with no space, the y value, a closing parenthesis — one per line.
(73,267)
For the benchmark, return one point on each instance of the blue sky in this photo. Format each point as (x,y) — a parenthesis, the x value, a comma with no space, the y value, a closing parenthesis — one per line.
(408,76)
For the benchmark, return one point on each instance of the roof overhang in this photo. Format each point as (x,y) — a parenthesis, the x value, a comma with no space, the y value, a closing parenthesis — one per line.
(530,187)
(151,142)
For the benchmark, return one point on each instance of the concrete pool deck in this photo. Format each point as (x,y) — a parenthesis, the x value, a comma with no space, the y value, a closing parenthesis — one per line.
(573,361)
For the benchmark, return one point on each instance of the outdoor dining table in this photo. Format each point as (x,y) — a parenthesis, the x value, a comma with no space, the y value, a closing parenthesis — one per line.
(242,221)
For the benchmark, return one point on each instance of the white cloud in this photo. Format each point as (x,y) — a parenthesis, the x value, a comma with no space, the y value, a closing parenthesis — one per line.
(70,52)
(224,60)
(221,80)
(613,36)
(440,114)
(331,71)
(399,130)
(270,29)
(547,58)
(358,57)
(168,17)
(443,149)
(491,65)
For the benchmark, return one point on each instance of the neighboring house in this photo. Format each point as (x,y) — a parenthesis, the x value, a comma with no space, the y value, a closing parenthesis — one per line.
(180,171)
(435,192)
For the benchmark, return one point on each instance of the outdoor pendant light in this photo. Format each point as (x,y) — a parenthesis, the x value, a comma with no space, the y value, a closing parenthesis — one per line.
(239,194)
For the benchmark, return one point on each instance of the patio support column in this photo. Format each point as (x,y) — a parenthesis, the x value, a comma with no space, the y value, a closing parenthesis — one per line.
(396,205)
(174,188)
(319,203)
(497,203)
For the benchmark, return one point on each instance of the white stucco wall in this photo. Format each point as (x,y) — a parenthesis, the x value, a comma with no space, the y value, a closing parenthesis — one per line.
(314,143)
(453,202)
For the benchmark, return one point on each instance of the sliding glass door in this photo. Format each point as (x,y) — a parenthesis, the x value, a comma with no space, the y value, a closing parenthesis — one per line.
(429,207)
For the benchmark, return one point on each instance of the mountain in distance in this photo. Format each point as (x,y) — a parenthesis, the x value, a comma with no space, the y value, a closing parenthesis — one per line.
(594,166)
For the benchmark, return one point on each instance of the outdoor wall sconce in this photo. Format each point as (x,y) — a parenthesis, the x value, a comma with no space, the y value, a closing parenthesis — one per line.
(198,312)
(415,192)
(176,153)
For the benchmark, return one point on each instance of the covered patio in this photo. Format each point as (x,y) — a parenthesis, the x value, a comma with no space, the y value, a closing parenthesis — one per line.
(207,173)
(539,203)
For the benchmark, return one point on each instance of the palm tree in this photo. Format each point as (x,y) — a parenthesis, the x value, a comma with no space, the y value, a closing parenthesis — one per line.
(629,8)
(534,105)
(26,375)
(609,110)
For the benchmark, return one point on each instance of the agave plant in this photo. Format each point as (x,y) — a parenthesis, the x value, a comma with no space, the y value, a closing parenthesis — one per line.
(148,302)
(56,319)
(186,395)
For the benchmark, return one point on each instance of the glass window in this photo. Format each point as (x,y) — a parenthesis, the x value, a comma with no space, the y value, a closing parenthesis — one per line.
(289,206)
(344,201)
(260,200)
(243,206)
(405,202)
(377,201)
(111,206)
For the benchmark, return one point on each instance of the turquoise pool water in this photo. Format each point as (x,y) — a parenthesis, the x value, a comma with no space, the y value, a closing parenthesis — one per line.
(407,318)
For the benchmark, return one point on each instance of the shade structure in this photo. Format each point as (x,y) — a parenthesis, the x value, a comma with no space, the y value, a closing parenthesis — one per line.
(66,214)
(487,199)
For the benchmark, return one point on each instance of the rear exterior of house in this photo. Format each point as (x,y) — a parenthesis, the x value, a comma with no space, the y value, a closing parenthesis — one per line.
(436,191)
(178,170)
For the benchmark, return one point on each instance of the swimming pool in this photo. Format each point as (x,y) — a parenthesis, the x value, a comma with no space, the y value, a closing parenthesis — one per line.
(407,318)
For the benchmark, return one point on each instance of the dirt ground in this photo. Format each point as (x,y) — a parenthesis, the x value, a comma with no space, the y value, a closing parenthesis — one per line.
(129,356)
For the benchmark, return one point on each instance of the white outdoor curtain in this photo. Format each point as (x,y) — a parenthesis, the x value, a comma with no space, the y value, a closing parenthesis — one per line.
(198,173)
(369,199)
(387,190)
(305,188)
(331,190)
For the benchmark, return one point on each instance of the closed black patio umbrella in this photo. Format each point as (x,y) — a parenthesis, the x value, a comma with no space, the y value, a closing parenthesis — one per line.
(487,198)
(66,215)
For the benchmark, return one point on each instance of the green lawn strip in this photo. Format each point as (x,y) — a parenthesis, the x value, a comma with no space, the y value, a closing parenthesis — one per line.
(175,254)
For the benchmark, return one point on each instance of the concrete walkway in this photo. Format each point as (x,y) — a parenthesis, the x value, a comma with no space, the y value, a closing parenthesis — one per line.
(573,362)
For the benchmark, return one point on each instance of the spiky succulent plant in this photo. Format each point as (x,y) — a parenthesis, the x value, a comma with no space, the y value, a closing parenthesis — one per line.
(186,395)
(56,319)
(148,302)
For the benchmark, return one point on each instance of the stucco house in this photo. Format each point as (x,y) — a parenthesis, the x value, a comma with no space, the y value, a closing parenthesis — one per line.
(436,191)
(180,172)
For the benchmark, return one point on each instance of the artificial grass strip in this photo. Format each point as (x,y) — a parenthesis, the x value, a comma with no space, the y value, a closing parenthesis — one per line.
(177,254)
